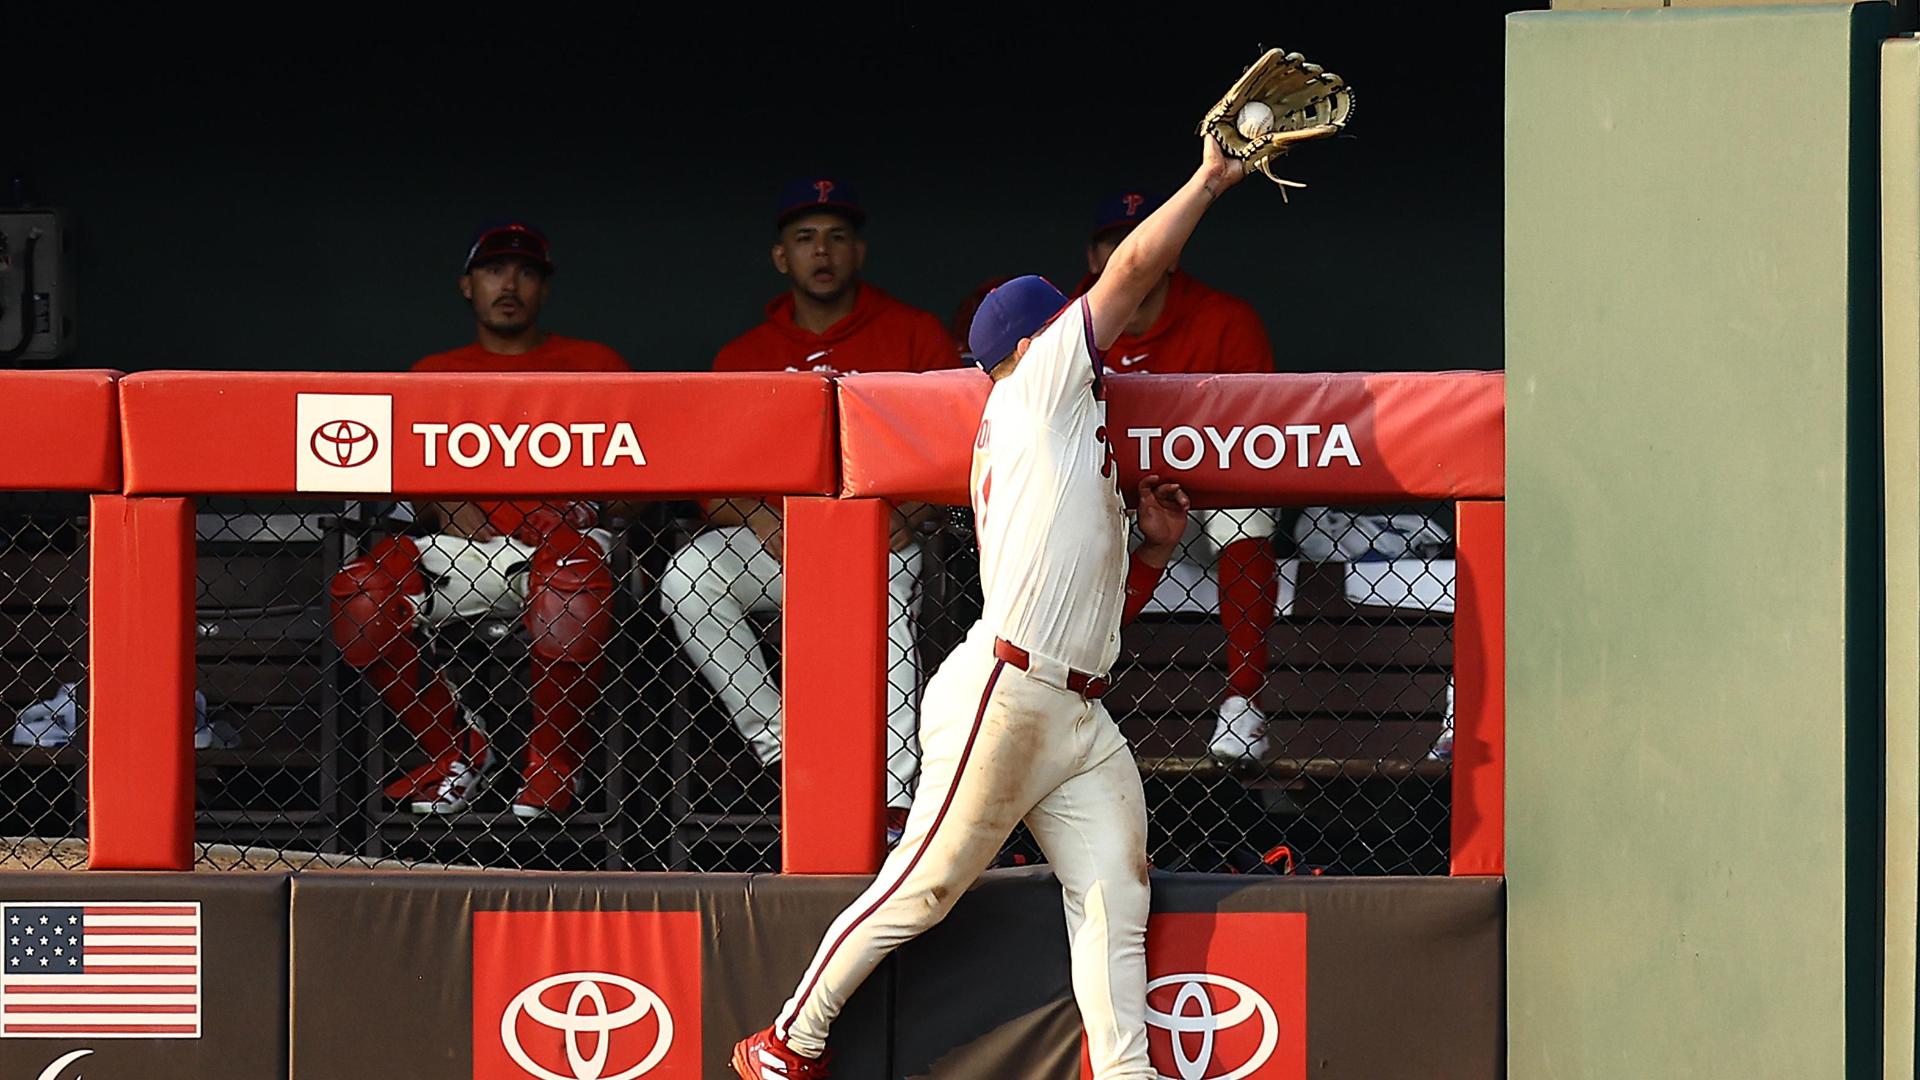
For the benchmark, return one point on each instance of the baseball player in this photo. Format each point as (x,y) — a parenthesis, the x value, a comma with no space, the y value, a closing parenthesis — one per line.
(828,320)
(1185,327)
(1013,728)
(544,562)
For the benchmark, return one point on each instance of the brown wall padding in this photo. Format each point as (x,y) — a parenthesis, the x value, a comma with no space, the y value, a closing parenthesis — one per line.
(243,980)
(416,1017)
(1402,977)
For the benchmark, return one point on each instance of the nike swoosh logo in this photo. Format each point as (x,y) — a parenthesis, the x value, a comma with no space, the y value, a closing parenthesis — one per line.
(1129,361)
(573,562)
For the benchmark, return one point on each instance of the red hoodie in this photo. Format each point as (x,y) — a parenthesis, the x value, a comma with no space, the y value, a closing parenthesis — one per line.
(554,353)
(879,334)
(1201,331)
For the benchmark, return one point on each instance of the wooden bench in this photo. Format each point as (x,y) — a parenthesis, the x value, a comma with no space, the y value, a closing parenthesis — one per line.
(1352,692)
(1355,698)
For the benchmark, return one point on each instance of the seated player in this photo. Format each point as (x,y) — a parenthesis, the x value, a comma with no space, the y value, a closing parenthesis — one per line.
(829,319)
(543,562)
(1185,327)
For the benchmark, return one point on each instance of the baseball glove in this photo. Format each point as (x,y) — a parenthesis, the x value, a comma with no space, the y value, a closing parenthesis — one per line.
(1308,102)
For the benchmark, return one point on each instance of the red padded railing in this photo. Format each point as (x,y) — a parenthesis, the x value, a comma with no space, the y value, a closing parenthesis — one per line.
(835,451)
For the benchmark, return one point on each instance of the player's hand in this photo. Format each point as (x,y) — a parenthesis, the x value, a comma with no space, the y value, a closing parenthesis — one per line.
(770,528)
(466,520)
(1218,169)
(1163,516)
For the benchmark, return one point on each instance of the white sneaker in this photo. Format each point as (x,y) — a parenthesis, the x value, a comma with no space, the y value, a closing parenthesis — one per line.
(1442,749)
(1240,734)
(456,790)
(49,724)
(215,735)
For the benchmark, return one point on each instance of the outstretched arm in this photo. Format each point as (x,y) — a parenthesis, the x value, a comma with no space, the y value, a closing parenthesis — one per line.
(1151,249)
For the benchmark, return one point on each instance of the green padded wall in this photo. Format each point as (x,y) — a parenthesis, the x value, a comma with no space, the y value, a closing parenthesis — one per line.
(1694,563)
(1900,314)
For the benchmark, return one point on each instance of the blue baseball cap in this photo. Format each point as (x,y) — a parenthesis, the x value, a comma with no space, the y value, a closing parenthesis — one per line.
(807,194)
(509,238)
(1123,210)
(1013,311)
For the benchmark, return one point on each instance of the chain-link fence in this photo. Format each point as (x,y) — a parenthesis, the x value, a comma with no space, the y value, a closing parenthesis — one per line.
(43,612)
(1288,691)
(597,685)
(505,684)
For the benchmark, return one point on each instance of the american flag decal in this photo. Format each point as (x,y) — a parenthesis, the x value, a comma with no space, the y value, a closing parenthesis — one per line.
(128,971)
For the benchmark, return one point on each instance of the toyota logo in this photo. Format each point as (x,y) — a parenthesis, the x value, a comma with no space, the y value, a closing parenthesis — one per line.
(345,443)
(586,1015)
(1192,1015)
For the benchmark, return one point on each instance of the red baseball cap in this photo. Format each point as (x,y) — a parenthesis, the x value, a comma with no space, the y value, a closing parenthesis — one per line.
(510,238)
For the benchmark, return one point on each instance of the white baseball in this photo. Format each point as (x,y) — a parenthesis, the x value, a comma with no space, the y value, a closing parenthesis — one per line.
(1255,120)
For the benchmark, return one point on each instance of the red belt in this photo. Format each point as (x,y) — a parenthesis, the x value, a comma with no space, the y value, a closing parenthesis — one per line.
(1087,686)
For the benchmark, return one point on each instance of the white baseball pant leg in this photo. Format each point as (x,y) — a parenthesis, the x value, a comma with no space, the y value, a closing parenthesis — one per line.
(469,579)
(1000,745)
(1225,526)
(903,674)
(724,574)
(1093,831)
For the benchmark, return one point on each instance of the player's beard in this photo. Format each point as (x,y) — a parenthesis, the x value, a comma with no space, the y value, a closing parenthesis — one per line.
(520,322)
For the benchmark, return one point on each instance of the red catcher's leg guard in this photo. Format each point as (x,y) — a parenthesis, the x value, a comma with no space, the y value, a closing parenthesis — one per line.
(570,620)
(569,599)
(1247,585)
(371,615)
(372,604)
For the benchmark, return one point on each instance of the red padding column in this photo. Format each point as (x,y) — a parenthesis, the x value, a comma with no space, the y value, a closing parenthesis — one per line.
(140,682)
(833,660)
(1480,691)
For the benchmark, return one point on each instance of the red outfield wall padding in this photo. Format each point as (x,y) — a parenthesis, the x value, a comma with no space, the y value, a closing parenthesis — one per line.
(140,684)
(834,653)
(1479,820)
(495,435)
(1233,440)
(58,431)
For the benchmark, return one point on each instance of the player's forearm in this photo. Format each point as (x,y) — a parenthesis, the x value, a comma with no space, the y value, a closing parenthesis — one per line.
(1156,555)
(764,518)
(1148,252)
(730,511)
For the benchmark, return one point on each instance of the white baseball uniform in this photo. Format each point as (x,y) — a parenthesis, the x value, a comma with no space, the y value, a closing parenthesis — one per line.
(1001,744)
(720,576)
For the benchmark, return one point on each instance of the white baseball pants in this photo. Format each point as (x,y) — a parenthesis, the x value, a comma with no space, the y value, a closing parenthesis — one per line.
(723,574)
(1001,745)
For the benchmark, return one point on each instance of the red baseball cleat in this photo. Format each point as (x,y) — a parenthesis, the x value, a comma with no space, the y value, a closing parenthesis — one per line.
(549,787)
(762,1056)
